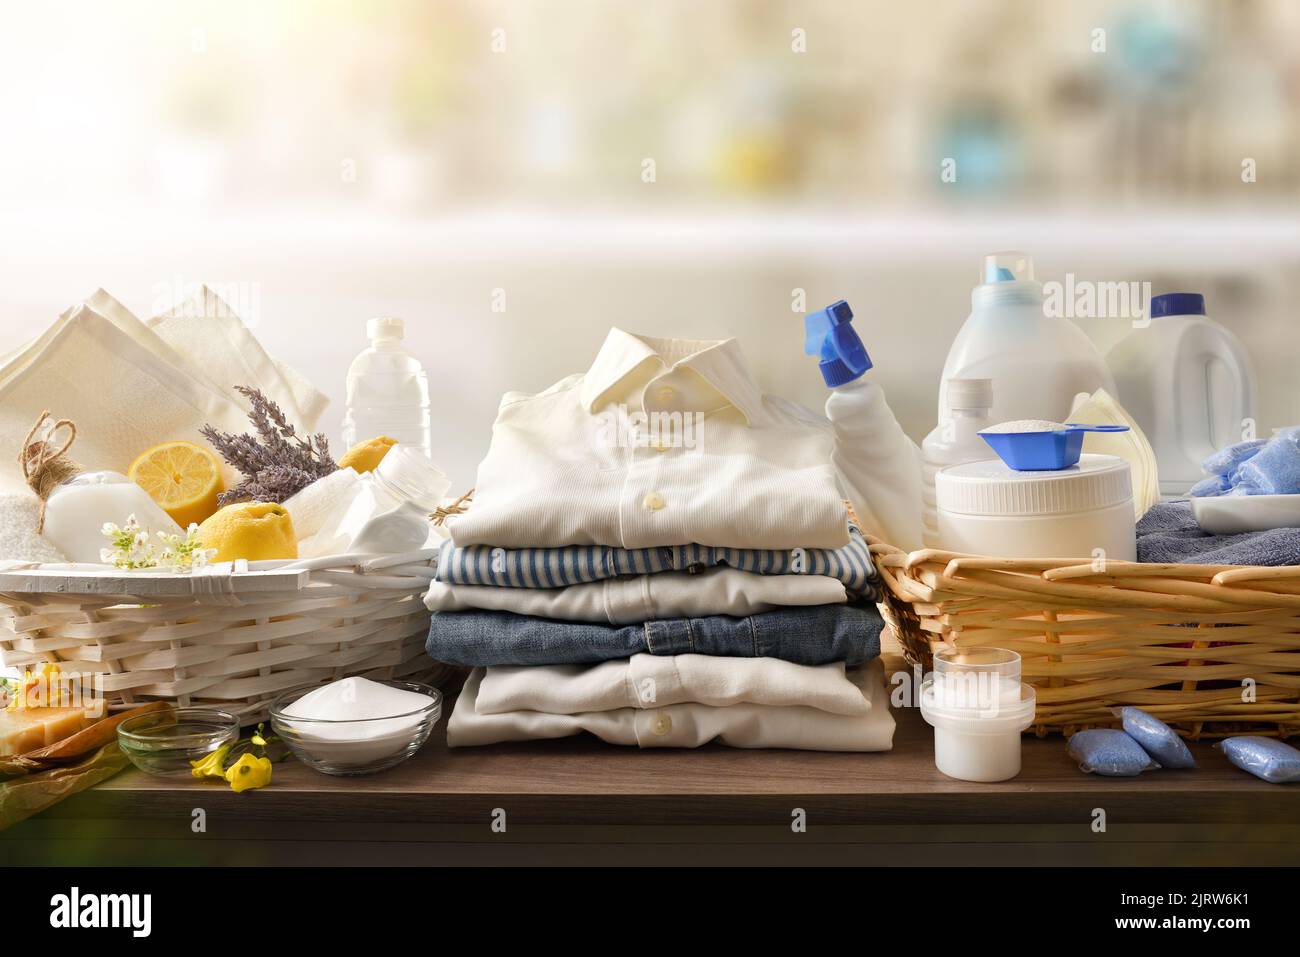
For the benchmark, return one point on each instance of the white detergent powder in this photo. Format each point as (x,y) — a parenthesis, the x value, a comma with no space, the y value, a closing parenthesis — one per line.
(1026,425)
(19,540)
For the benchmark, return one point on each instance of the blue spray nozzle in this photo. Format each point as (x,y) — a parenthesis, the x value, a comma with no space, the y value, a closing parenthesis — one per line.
(829,334)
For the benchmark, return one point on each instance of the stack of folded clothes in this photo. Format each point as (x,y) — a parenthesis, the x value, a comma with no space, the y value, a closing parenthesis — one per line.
(658,593)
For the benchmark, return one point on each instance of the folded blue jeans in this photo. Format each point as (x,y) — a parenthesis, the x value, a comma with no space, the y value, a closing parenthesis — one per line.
(814,635)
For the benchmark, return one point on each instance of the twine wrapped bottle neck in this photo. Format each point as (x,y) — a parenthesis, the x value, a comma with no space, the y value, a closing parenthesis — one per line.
(45,463)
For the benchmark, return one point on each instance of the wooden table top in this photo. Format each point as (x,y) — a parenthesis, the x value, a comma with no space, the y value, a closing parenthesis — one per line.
(596,795)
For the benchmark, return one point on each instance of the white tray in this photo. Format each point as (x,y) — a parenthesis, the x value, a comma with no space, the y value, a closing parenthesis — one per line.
(1234,514)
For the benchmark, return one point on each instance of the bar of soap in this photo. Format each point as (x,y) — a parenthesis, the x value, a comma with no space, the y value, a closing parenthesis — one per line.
(25,729)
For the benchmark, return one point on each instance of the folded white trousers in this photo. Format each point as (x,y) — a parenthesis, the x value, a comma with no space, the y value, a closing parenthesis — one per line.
(657,681)
(632,600)
(690,725)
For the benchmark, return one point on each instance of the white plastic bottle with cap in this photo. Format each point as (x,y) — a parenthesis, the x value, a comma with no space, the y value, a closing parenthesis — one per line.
(1188,382)
(388,391)
(1038,363)
(955,441)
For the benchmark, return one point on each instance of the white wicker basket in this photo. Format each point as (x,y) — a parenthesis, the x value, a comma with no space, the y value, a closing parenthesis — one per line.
(231,636)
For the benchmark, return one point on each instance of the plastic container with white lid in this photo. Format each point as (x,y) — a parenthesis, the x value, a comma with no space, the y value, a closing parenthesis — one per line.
(954,441)
(978,708)
(1084,511)
(388,390)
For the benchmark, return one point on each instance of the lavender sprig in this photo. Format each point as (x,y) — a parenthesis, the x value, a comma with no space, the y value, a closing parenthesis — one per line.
(276,462)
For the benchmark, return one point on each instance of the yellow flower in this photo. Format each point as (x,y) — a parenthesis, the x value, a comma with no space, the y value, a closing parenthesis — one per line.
(211,766)
(249,772)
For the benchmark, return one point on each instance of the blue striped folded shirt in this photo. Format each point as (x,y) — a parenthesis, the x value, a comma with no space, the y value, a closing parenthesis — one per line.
(579,564)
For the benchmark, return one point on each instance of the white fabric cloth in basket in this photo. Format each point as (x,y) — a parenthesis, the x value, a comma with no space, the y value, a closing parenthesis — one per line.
(119,386)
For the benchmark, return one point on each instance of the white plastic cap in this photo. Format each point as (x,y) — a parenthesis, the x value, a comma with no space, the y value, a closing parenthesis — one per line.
(1008,266)
(409,471)
(968,395)
(993,488)
(385,328)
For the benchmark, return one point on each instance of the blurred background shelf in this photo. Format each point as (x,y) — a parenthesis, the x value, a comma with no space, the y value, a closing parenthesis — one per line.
(563,277)
(481,169)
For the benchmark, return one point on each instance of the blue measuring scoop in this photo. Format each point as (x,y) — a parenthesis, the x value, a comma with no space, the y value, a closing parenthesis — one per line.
(1044,451)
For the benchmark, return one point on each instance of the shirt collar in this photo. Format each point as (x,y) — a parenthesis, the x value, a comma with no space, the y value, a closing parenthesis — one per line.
(718,361)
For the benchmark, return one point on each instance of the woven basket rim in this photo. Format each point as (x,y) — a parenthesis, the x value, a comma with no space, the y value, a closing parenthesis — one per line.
(242,577)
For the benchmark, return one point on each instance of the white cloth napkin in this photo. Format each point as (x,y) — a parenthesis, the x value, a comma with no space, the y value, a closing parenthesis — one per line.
(205,326)
(116,381)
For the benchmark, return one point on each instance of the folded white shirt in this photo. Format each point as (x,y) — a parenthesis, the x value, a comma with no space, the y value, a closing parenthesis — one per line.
(656,681)
(690,725)
(660,442)
(632,600)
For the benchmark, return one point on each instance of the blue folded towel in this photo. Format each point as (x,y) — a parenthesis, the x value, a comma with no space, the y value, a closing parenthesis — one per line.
(1168,534)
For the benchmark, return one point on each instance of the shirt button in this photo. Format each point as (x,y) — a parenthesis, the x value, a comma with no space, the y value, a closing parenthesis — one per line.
(661,724)
(665,393)
(653,501)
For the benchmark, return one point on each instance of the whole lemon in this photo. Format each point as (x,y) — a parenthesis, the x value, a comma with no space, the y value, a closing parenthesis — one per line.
(256,531)
(366,456)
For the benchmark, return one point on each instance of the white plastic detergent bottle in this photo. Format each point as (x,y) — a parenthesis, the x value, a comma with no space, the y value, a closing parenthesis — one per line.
(1038,363)
(1188,382)
(388,391)
(955,441)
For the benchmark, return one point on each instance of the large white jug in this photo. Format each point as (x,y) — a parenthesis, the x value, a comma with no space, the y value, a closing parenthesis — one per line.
(1188,382)
(1038,363)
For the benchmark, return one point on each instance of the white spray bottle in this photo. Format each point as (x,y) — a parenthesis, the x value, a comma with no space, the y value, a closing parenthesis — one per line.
(878,464)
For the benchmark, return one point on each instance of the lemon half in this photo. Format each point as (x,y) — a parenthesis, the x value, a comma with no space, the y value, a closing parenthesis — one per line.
(182,477)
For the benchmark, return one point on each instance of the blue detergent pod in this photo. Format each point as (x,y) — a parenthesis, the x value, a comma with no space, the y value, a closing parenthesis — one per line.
(1043,451)
(1225,461)
(1268,759)
(1110,753)
(1157,738)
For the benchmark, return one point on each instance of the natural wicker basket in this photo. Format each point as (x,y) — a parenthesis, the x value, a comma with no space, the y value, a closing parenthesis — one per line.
(1213,650)
(229,636)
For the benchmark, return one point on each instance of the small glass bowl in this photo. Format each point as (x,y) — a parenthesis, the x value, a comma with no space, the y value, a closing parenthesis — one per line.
(165,742)
(361,746)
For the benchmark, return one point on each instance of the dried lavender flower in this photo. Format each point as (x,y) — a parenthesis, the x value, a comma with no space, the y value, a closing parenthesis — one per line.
(276,462)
